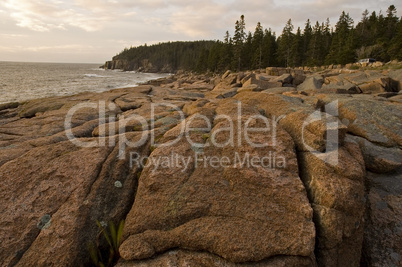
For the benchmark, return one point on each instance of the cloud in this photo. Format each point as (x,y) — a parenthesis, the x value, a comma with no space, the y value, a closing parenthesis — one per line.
(52,48)
(89,15)
(192,18)
(11,35)
(199,20)
(29,14)
(45,15)
(50,24)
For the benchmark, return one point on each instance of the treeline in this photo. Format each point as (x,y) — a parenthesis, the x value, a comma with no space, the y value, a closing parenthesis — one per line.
(376,36)
(166,57)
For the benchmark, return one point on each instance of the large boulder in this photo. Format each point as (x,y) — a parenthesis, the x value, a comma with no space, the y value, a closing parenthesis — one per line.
(332,172)
(382,244)
(226,87)
(286,78)
(337,194)
(396,75)
(299,76)
(313,82)
(375,127)
(377,121)
(339,84)
(240,212)
(379,159)
(367,82)
(311,129)
(261,84)
(55,184)
(57,207)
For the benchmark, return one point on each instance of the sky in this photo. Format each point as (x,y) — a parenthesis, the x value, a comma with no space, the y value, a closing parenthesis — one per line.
(93,31)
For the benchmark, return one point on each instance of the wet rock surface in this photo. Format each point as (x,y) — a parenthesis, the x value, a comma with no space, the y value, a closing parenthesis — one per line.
(283,168)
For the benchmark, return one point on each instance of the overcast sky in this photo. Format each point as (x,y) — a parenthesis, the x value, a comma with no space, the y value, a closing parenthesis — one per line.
(92,31)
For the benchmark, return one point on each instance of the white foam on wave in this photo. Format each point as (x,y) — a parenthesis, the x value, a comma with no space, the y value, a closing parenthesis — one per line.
(94,75)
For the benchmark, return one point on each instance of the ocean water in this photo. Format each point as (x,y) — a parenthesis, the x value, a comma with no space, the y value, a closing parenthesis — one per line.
(21,81)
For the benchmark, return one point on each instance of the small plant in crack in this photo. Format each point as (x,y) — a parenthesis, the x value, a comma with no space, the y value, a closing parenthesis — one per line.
(109,255)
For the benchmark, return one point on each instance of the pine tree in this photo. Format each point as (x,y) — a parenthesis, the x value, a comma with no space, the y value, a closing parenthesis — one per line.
(381,28)
(296,50)
(285,43)
(202,62)
(381,41)
(269,49)
(214,56)
(307,35)
(349,52)
(362,29)
(247,54)
(391,22)
(373,28)
(238,41)
(316,46)
(327,34)
(258,39)
(226,53)
(395,50)
(341,50)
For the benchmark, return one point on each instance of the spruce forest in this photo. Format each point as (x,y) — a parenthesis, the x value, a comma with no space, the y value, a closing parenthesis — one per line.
(376,35)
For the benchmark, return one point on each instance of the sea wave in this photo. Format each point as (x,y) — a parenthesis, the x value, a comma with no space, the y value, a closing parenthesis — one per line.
(91,75)
(21,81)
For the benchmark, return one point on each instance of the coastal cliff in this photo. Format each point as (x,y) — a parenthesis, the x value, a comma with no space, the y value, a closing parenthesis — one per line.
(143,66)
(280,167)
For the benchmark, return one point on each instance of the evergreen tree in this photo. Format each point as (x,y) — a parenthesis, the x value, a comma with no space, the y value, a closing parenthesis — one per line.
(362,29)
(269,49)
(380,51)
(202,62)
(247,54)
(327,34)
(307,35)
(341,50)
(373,28)
(238,41)
(375,36)
(296,50)
(381,28)
(258,39)
(285,44)
(349,53)
(226,54)
(316,46)
(214,56)
(391,22)
(227,38)
(395,50)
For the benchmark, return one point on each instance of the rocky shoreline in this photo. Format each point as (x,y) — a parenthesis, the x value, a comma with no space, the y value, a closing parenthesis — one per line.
(283,167)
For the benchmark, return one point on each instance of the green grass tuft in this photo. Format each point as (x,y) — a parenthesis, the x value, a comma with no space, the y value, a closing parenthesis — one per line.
(109,257)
